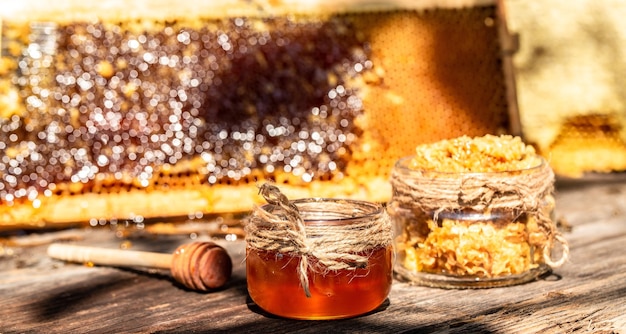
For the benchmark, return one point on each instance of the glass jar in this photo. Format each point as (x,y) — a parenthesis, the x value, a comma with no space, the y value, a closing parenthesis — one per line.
(473,230)
(347,254)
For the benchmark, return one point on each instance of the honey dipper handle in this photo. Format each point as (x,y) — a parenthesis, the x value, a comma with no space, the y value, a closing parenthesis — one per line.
(110,257)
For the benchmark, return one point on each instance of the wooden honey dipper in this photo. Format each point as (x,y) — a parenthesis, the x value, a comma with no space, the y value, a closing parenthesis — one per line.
(199,265)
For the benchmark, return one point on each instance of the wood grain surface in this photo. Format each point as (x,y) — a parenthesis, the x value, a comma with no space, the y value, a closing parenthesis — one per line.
(586,295)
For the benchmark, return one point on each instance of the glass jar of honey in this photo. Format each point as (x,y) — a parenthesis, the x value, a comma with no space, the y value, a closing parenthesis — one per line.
(487,225)
(319,258)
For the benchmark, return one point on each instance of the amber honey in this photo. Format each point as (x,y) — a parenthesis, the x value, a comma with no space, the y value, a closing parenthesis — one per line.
(319,258)
(274,286)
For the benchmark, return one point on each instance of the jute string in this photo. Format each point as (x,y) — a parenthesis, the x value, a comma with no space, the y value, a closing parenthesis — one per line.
(520,192)
(279,227)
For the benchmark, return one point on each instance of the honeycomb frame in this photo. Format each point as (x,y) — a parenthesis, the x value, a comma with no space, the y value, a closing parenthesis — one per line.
(434,73)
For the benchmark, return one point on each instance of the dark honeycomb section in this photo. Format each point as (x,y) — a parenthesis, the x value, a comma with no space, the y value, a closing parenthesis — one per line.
(110,106)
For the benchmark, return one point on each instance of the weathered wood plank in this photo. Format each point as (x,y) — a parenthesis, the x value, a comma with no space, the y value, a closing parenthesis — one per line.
(588,294)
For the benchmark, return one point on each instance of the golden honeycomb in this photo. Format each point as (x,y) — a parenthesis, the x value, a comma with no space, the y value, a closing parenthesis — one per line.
(588,143)
(106,116)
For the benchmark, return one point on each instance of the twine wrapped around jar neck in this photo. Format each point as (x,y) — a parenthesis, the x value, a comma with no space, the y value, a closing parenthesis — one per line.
(517,191)
(279,227)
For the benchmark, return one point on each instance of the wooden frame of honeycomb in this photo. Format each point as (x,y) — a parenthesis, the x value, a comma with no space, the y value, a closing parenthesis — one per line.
(150,109)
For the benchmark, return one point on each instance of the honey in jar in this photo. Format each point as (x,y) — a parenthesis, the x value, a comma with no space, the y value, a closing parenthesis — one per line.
(338,265)
(274,286)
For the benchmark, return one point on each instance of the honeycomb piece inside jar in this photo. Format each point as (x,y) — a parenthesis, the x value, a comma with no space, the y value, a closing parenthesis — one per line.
(477,249)
(485,154)
(507,245)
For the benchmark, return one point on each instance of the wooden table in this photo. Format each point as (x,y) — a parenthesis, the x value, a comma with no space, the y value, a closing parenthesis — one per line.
(586,295)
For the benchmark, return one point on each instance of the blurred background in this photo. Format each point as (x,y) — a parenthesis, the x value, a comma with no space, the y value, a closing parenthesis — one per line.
(570,69)
(324,106)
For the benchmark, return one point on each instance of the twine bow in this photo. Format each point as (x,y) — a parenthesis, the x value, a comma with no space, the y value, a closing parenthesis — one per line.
(296,229)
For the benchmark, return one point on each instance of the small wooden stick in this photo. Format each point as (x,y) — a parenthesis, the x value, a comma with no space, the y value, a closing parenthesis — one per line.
(199,265)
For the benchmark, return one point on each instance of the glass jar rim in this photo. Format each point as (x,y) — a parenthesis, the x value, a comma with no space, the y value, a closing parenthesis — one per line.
(477,216)
(327,214)
(402,164)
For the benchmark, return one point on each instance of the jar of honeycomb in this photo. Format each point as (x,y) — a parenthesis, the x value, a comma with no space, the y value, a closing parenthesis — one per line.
(475,213)
(318,258)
